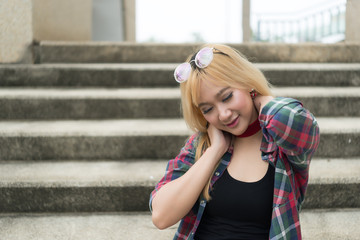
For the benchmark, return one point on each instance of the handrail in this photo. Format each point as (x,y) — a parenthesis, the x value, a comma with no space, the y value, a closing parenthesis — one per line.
(324,25)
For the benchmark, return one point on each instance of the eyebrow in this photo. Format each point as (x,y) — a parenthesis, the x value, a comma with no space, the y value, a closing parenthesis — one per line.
(217,96)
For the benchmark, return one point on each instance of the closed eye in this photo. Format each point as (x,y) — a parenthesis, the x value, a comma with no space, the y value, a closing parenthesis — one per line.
(207,110)
(228,97)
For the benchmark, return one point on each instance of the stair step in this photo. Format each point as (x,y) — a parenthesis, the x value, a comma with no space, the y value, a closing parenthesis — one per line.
(89,103)
(35,103)
(331,179)
(135,139)
(76,186)
(330,224)
(91,140)
(115,52)
(311,74)
(161,74)
(106,186)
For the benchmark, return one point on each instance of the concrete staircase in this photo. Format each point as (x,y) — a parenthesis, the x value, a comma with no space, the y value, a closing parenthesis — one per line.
(85,134)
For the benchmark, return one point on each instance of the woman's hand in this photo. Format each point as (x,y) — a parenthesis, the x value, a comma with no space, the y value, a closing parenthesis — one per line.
(220,140)
(260,101)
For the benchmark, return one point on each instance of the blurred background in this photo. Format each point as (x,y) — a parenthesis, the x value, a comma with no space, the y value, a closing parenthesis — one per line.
(176,21)
(24,22)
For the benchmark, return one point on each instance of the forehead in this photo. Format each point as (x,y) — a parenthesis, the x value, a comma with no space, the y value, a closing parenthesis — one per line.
(209,89)
(208,85)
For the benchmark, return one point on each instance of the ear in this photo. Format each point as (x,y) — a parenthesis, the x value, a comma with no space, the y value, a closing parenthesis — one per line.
(253,93)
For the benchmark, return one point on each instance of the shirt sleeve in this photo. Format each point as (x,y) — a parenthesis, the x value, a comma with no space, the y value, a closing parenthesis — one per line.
(178,166)
(292,128)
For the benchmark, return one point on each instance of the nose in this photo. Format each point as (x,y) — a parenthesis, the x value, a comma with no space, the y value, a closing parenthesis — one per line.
(224,114)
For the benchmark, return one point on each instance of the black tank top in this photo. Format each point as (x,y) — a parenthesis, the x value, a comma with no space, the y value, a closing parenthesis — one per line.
(238,210)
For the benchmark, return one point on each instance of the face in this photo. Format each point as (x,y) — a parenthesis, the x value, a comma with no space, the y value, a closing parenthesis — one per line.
(228,109)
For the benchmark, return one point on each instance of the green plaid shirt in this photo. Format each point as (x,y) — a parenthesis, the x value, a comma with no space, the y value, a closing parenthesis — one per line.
(290,138)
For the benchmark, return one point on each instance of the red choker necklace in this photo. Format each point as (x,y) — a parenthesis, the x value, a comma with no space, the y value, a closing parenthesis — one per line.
(251,130)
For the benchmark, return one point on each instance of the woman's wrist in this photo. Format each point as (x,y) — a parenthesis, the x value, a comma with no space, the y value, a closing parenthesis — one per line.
(217,153)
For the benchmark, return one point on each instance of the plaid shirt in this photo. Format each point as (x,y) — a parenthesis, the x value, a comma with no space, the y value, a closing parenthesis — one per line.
(290,138)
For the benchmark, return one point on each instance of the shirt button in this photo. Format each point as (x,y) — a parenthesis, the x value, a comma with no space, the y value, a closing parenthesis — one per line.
(217,174)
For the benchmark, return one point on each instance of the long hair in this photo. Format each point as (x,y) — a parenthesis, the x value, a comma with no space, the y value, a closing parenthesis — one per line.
(228,68)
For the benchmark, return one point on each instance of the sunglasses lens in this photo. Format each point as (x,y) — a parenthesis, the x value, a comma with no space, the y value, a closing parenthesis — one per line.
(204,57)
(182,72)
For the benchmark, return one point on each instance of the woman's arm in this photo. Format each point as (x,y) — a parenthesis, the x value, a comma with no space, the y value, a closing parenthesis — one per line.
(177,197)
(292,127)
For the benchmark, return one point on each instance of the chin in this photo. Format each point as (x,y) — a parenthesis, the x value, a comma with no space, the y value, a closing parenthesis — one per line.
(240,130)
(234,132)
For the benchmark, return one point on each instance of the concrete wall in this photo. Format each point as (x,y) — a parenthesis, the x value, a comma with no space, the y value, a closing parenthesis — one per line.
(15,31)
(62,20)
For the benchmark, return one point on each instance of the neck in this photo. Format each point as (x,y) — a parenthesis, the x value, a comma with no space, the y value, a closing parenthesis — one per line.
(247,143)
(252,129)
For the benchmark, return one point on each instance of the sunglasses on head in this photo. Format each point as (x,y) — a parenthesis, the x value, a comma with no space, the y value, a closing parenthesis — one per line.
(202,59)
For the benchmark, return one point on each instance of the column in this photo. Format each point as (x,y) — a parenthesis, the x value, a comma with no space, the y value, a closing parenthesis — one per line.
(352,32)
(246,21)
(129,15)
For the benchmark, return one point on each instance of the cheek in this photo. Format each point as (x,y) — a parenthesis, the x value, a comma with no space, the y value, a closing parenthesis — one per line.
(243,102)
(212,118)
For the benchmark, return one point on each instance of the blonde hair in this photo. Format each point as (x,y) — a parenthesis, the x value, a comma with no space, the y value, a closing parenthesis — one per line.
(228,68)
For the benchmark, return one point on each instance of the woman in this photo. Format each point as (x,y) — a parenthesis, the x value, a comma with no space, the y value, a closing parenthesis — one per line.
(244,173)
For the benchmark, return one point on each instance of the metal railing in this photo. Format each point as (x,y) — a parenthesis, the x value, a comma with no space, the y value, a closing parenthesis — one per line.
(325,25)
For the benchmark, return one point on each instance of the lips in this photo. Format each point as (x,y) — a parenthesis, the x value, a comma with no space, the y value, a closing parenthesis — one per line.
(233,123)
